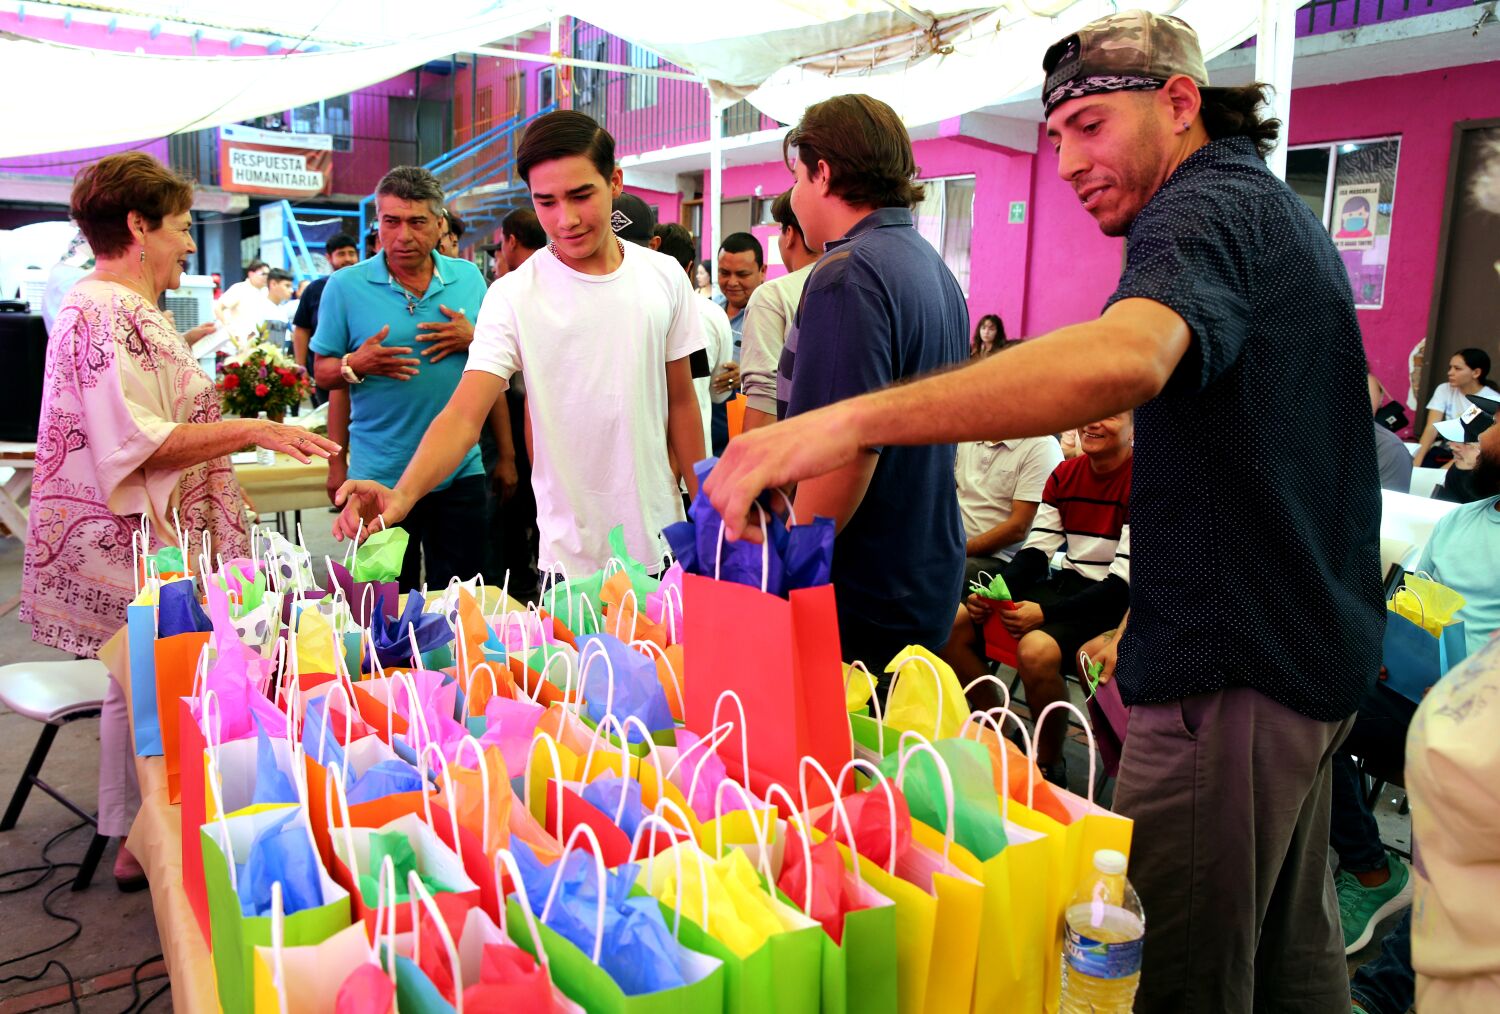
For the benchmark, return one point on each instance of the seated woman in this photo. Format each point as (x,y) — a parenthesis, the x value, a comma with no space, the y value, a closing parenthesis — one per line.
(1468,374)
(1085,507)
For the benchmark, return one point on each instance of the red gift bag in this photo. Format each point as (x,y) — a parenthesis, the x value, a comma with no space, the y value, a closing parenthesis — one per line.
(781,658)
(999,643)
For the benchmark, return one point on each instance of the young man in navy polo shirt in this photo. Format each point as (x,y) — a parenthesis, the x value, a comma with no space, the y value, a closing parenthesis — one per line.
(1256,612)
(879,307)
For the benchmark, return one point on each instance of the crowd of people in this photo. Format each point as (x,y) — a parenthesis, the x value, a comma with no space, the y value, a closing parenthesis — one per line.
(508,426)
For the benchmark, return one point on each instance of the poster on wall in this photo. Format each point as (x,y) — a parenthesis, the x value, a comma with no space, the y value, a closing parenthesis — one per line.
(275,164)
(1354,207)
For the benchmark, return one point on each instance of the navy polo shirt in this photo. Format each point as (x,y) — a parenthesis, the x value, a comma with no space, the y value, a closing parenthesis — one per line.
(880,306)
(389,417)
(1255,503)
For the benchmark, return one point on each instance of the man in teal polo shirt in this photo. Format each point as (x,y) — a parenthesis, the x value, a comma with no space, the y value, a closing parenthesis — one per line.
(372,319)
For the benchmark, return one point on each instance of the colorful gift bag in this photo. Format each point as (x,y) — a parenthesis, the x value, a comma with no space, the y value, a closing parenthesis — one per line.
(781,657)
(308,979)
(650,970)
(1071,844)
(1423,637)
(227,845)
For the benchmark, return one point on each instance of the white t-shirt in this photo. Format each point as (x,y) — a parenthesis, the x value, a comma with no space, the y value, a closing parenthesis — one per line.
(595,349)
(768,316)
(993,475)
(718,342)
(245,307)
(1453,403)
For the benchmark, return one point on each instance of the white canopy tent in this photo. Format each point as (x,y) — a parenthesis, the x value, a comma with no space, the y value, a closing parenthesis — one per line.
(58,98)
(930,63)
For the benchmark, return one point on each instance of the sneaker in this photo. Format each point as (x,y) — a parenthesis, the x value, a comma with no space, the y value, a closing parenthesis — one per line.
(1361,908)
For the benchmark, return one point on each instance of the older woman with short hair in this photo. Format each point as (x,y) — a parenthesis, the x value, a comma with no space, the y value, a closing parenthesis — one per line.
(130,436)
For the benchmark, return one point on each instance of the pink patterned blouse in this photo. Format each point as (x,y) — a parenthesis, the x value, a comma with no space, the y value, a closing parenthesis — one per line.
(118,380)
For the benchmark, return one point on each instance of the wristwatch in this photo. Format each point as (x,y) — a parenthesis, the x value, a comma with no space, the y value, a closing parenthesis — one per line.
(348,371)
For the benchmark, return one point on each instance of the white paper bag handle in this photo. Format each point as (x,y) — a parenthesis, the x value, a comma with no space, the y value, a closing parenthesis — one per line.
(772,790)
(447,790)
(879,778)
(635,615)
(1088,729)
(469,688)
(995,717)
(503,857)
(626,756)
(839,811)
(570,676)
(484,785)
(989,677)
(221,824)
(586,660)
(765,552)
(330,791)
(417,892)
(568,847)
(646,647)
(912,743)
(937,679)
(551,744)
(760,833)
(655,819)
(860,667)
(744,727)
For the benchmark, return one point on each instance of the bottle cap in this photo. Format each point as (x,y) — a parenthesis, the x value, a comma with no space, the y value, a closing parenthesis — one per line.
(1109,861)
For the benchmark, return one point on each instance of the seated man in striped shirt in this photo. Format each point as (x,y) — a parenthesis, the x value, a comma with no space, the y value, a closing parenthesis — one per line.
(1086,508)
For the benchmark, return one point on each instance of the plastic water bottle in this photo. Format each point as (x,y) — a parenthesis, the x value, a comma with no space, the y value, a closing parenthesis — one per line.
(1101,961)
(264,455)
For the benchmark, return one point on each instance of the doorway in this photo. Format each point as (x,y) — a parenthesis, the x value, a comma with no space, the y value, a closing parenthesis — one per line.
(1466,292)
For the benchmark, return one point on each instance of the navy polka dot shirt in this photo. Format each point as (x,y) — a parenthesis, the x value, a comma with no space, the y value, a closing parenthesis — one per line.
(1255,504)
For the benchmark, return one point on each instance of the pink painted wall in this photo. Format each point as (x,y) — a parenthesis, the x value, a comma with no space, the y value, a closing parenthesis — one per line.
(667,205)
(1422,108)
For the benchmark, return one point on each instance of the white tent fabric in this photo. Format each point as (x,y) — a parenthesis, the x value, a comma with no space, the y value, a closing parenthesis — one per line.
(738,50)
(348,22)
(59,98)
(993,58)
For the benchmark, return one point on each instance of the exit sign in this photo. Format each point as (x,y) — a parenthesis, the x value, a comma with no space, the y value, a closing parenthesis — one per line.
(1017,212)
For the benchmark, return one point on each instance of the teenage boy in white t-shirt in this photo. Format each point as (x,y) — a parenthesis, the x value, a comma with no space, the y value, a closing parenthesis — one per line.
(603,331)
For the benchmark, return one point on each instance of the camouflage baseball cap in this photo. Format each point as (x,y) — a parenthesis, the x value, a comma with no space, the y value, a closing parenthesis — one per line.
(1129,51)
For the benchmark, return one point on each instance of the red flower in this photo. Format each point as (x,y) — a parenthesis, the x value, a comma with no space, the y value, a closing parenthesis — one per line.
(261,390)
(231,381)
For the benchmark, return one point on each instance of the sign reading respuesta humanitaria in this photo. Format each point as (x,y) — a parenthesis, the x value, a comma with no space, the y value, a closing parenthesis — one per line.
(253,161)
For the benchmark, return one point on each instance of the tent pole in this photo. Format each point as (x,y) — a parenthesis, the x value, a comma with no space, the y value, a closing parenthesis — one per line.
(1273,66)
(715,174)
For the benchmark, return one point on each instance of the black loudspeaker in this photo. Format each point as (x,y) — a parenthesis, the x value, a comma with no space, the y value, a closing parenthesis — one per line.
(23,362)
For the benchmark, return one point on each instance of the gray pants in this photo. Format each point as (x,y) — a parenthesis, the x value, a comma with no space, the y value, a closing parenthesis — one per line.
(1230,795)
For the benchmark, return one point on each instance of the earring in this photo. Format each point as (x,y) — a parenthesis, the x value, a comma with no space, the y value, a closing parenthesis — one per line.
(143,255)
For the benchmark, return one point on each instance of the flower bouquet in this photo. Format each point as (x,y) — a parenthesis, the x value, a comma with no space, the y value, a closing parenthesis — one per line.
(261,379)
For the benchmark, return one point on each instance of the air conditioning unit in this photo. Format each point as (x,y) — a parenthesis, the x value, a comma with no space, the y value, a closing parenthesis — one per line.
(192,302)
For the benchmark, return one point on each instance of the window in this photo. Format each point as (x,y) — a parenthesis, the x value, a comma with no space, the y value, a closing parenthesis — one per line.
(546,87)
(945,218)
(1351,187)
(643,87)
(329,116)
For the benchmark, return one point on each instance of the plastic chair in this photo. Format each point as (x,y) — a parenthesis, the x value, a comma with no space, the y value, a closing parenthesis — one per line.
(54,693)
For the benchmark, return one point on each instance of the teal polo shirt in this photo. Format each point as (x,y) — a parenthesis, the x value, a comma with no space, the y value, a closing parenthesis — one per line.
(389,417)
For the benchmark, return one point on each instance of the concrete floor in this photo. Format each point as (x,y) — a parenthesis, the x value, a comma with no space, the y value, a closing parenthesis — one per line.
(118,930)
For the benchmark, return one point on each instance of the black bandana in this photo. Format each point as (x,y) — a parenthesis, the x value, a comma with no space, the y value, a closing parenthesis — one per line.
(1081,86)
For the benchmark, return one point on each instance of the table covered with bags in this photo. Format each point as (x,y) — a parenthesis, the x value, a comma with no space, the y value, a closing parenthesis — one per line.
(656,789)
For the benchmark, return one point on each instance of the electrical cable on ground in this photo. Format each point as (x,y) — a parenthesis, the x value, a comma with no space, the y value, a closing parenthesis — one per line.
(44,872)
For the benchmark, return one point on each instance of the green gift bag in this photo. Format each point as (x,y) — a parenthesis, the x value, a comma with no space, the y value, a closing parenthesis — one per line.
(576,603)
(226,844)
(582,980)
(753,982)
(379,557)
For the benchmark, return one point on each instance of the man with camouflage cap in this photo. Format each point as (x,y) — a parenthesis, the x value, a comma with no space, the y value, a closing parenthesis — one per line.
(1256,608)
